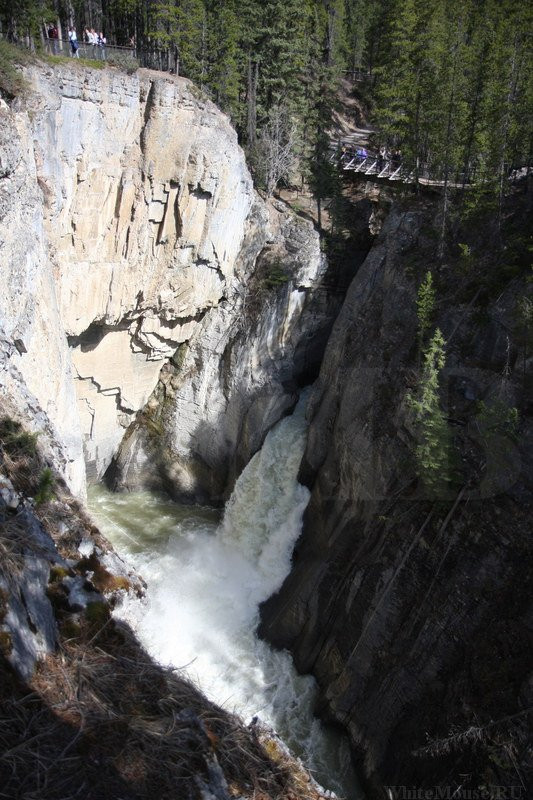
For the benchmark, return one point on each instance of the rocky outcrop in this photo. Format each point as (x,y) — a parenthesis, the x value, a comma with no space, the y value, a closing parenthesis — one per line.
(243,368)
(158,286)
(125,199)
(412,611)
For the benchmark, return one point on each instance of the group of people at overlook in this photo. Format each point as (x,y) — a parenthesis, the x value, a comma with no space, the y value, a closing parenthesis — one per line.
(95,40)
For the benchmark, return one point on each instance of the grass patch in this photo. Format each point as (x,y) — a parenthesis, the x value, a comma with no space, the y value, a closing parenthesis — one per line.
(125,726)
(13,84)
(85,62)
(11,81)
(17,442)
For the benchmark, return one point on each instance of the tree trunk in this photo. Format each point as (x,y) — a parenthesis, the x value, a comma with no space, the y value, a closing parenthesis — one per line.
(513,80)
(251,128)
(447,150)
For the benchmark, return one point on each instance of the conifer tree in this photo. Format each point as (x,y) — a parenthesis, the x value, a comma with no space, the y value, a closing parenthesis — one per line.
(432,452)
(222,66)
(178,28)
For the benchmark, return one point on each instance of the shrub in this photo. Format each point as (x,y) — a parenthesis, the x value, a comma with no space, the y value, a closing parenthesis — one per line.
(45,488)
(497,419)
(11,81)
(17,442)
(275,275)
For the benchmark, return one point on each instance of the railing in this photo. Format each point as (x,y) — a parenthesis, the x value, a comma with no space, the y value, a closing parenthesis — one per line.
(125,57)
(121,56)
(391,169)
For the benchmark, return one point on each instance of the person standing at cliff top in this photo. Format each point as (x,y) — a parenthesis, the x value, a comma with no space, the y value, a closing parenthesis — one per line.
(53,34)
(73,39)
(92,39)
(102,41)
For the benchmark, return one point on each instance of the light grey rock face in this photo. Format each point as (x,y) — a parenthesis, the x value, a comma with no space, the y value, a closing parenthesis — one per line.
(123,205)
(35,366)
(241,371)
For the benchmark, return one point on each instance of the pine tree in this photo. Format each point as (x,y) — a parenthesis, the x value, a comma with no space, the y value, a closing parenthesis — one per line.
(395,90)
(432,452)
(178,28)
(425,306)
(222,67)
(359,20)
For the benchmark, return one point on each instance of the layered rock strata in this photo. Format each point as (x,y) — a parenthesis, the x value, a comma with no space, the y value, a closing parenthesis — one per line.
(124,203)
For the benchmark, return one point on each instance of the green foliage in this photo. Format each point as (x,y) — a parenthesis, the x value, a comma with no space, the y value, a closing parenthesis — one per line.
(466,259)
(432,453)
(180,27)
(450,81)
(465,250)
(45,487)
(17,442)
(275,275)
(57,573)
(425,306)
(11,81)
(97,614)
(453,89)
(23,18)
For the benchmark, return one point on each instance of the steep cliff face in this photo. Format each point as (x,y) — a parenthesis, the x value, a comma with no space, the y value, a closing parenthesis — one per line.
(129,228)
(35,366)
(133,230)
(125,199)
(241,371)
(413,612)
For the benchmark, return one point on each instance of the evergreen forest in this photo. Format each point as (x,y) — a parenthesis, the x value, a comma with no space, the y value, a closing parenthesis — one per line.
(448,82)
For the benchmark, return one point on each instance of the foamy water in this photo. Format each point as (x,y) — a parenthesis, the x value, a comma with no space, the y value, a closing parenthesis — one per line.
(205,580)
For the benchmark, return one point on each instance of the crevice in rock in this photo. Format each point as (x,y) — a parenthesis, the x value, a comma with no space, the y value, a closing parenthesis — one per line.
(148,106)
(91,337)
(108,391)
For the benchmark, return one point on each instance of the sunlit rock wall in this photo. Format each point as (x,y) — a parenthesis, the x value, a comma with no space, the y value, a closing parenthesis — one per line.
(124,222)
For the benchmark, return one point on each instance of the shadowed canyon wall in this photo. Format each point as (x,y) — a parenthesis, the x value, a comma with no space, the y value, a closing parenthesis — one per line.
(413,610)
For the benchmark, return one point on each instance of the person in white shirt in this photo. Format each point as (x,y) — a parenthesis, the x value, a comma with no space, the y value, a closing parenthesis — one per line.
(73,39)
(92,39)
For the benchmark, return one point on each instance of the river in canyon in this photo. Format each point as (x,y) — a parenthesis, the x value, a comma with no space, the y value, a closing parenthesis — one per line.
(206,577)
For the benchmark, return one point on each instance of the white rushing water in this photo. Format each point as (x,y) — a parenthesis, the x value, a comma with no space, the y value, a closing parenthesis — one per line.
(205,580)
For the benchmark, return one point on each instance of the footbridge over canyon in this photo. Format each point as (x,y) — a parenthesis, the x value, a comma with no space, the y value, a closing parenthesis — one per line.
(355,158)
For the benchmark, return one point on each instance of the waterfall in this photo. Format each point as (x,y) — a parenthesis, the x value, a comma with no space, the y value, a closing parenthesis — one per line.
(205,581)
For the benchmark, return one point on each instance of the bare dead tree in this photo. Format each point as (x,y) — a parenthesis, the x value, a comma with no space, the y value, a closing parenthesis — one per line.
(276,148)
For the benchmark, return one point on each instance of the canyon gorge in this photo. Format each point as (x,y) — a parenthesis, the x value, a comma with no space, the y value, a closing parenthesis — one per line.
(159,318)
